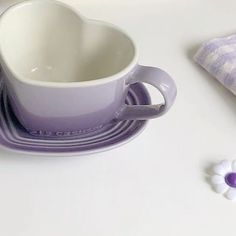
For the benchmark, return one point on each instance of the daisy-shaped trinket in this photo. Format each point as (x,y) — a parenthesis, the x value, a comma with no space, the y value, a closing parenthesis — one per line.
(224,178)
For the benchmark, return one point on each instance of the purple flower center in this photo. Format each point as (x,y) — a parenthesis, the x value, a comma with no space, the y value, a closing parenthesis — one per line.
(230,179)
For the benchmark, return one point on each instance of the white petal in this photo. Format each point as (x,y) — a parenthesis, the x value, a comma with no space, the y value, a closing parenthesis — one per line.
(223,168)
(227,165)
(221,188)
(234,166)
(220,170)
(231,194)
(217,179)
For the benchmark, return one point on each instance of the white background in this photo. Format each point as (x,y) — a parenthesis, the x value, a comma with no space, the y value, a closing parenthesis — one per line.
(157,184)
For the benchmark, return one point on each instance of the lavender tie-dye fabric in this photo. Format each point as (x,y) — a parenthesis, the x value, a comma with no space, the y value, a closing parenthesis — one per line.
(218,57)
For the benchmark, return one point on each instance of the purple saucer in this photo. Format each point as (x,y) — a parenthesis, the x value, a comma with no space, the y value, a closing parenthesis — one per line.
(15,137)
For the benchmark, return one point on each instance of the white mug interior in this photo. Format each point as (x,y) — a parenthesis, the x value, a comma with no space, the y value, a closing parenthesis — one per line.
(48,41)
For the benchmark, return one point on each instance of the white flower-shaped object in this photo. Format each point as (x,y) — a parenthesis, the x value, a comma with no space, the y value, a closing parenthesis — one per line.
(224,178)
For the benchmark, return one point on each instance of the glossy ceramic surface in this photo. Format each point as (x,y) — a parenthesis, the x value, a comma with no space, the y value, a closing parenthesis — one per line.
(65,73)
(15,137)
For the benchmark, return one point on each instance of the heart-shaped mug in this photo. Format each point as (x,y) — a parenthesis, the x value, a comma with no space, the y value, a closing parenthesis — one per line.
(65,73)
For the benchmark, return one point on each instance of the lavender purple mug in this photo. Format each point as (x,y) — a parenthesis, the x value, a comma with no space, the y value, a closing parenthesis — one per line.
(65,73)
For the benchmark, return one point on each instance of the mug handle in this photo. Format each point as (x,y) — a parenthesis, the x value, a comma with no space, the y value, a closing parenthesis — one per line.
(160,80)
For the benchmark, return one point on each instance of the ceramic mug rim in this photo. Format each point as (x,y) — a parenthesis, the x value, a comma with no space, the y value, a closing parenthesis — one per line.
(75,84)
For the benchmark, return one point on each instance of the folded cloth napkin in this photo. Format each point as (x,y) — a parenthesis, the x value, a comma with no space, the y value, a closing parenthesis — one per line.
(218,57)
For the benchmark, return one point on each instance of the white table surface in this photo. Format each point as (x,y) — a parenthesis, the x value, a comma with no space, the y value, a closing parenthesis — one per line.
(157,184)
